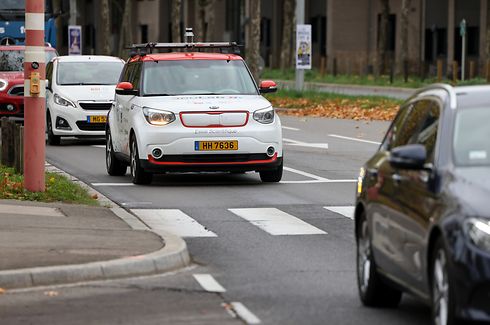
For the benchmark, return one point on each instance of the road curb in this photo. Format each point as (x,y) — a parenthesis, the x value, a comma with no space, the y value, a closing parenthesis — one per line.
(174,255)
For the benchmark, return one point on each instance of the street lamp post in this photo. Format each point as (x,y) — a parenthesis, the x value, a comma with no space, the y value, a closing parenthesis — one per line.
(34,97)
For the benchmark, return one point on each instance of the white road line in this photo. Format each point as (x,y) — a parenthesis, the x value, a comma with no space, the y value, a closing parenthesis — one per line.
(353,139)
(30,210)
(320,181)
(290,128)
(292,170)
(276,222)
(292,142)
(173,221)
(98,146)
(208,283)
(244,313)
(113,184)
(346,211)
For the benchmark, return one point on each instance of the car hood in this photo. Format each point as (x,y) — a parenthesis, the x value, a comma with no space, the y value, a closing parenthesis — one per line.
(179,104)
(12,75)
(472,187)
(88,93)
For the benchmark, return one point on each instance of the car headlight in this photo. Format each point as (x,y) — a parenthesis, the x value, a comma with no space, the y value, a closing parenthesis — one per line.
(158,117)
(478,231)
(3,84)
(265,115)
(62,101)
(362,173)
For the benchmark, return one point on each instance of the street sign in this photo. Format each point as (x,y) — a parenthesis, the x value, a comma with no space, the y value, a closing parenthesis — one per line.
(462,28)
(303,47)
(74,40)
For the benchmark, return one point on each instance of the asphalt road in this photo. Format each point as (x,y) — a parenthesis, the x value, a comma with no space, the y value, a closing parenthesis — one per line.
(270,253)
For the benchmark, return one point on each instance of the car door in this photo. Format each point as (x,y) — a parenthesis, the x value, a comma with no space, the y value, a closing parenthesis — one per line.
(128,107)
(119,103)
(418,200)
(383,207)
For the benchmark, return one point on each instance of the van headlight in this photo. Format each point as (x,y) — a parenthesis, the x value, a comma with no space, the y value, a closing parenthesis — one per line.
(158,117)
(62,101)
(265,115)
(478,230)
(3,84)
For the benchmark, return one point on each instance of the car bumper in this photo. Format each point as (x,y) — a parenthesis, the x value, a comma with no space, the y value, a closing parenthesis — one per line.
(16,101)
(472,277)
(77,119)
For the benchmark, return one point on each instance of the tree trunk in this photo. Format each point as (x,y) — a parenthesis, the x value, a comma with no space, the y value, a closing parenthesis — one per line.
(487,52)
(58,22)
(404,38)
(106,27)
(176,34)
(253,44)
(126,31)
(382,36)
(287,31)
(210,10)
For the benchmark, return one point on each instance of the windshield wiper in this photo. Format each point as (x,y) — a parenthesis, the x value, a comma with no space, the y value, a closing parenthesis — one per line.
(85,84)
(154,95)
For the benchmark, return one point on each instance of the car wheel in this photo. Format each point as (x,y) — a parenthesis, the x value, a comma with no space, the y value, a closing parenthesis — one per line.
(138,174)
(373,291)
(53,140)
(272,176)
(114,166)
(443,309)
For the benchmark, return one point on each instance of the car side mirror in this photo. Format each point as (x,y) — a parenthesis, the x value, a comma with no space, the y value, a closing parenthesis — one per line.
(125,88)
(411,156)
(267,86)
(47,84)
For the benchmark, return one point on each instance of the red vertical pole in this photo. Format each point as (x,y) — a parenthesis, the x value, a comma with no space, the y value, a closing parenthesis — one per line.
(34,98)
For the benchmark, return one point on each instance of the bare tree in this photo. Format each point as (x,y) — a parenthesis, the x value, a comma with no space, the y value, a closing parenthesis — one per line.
(287,33)
(176,34)
(126,31)
(106,27)
(383,36)
(205,16)
(404,38)
(253,44)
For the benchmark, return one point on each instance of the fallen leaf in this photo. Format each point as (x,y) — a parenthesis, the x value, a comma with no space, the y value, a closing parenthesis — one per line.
(95,196)
(2,291)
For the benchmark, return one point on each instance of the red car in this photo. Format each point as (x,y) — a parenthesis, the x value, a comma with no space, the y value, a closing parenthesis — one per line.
(12,78)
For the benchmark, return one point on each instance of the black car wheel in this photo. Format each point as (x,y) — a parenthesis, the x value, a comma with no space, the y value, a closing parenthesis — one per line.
(443,309)
(114,166)
(53,140)
(271,176)
(138,174)
(373,291)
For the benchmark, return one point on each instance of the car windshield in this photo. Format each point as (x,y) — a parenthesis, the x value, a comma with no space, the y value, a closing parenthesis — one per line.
(197,77)
(471,134)
(88,73)
(14,60)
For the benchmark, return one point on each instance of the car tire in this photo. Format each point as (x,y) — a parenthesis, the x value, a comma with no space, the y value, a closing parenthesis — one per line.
(138,174)
(115,167)
(272,176)
(442,293)
(53,140)
(373,290)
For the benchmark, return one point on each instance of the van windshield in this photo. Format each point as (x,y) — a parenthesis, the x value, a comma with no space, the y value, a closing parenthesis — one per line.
(197,77)
(88,73)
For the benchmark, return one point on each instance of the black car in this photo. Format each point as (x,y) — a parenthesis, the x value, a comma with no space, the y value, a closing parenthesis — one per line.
(422,218)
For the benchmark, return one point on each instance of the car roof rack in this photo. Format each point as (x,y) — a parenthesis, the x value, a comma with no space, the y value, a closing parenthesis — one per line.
(148,48)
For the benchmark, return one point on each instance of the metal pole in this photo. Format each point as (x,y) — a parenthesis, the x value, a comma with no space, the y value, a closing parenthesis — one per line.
(463,57)
(300,19)
(34,98)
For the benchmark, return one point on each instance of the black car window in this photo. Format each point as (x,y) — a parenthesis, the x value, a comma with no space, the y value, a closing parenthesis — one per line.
(136,76)
(392,133)
(428,132)
(126,73)
(413,123)
(49,73)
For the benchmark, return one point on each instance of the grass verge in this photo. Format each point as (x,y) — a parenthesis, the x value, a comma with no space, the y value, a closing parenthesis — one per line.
(367,80)
(319,104)
(58,189)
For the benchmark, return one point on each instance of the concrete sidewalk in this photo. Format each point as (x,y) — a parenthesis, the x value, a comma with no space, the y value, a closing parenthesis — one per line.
(44,244)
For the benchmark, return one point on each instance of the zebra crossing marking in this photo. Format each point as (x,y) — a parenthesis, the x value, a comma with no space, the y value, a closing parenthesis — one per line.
(346,211)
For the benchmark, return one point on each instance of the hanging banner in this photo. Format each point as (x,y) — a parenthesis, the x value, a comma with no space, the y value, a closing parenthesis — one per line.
(303,47)
(74,40)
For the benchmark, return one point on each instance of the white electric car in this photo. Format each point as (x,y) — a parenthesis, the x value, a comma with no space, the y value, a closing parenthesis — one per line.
(192,111)
(79,94)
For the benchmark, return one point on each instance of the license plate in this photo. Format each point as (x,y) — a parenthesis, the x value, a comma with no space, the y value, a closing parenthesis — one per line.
(97,119)
(215,145)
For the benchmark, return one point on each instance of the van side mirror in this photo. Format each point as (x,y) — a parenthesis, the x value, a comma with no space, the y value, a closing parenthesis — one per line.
(125,88)
(267,86)
(411,156)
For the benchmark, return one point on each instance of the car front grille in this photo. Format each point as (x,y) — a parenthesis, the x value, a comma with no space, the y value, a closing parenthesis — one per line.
(16,91)
(203,158)
(96,106)
(84,126)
